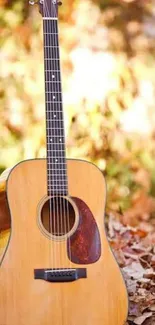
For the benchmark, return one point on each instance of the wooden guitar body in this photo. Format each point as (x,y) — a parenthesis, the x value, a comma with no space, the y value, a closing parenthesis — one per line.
(98,299)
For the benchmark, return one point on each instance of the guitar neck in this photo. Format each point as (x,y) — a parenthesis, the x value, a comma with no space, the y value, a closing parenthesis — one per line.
(55,134)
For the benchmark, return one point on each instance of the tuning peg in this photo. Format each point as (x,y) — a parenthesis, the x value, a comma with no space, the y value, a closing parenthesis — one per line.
(59,3)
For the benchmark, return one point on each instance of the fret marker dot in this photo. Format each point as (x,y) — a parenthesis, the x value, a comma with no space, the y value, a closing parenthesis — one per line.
(51,140)
(60,140)
(56,160)
(53,97)
(55,115)
(53,76)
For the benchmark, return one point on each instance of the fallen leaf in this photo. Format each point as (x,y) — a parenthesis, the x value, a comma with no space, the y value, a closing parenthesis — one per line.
(139,320)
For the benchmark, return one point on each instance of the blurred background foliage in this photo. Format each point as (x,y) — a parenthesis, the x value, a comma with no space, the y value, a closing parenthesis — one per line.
(108,64)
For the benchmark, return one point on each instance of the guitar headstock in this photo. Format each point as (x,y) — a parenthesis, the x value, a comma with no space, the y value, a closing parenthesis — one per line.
(47,8)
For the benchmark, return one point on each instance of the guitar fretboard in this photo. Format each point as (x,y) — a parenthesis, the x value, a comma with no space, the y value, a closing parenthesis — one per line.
(55,135)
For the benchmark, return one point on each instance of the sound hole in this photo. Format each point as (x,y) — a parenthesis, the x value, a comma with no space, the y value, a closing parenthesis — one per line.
(58,216)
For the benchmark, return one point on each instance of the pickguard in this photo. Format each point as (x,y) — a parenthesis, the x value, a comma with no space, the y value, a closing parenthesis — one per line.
(84,246)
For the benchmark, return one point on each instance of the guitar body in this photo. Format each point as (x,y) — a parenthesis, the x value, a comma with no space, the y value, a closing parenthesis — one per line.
(98,299)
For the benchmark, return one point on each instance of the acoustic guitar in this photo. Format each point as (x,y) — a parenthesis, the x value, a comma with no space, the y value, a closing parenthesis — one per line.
(58,268)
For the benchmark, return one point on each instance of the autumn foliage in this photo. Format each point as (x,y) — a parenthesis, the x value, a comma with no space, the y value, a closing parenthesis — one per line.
(108,62)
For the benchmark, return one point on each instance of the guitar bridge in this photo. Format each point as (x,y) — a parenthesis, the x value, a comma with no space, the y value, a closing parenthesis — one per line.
(60,275)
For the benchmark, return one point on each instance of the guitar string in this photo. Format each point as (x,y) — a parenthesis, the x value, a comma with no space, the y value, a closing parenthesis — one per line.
(60,297)
(63,158)
(45,10)
(56,175)
(66,172)
(58,140)
(66,215)
(60,109)
(53,132)
(56,128)
(52,250)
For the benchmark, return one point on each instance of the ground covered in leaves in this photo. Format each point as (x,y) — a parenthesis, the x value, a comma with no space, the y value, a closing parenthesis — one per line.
(134,249)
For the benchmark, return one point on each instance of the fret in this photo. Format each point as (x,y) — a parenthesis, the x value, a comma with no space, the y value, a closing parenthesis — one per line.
(53,102)
(55,143)
(57,191)
(58,187)
(52,74)
(57,184)
(59,174)
(60,161)
(54,112)
(57,180)
(54,120)
(50,178)
(48,41)
(60,128)
(48,92)
(54,184)
(52,70)
(52,170)
(50,33)
(62,175)
(50,59)
(56,100)
(52,47)
(57,160)
(57,168)
(50,18)
(55,136)
(55,150)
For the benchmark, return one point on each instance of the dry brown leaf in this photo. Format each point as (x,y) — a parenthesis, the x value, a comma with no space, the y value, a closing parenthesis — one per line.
(139,320)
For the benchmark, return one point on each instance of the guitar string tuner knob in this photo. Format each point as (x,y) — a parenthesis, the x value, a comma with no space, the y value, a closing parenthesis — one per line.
(59,3)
